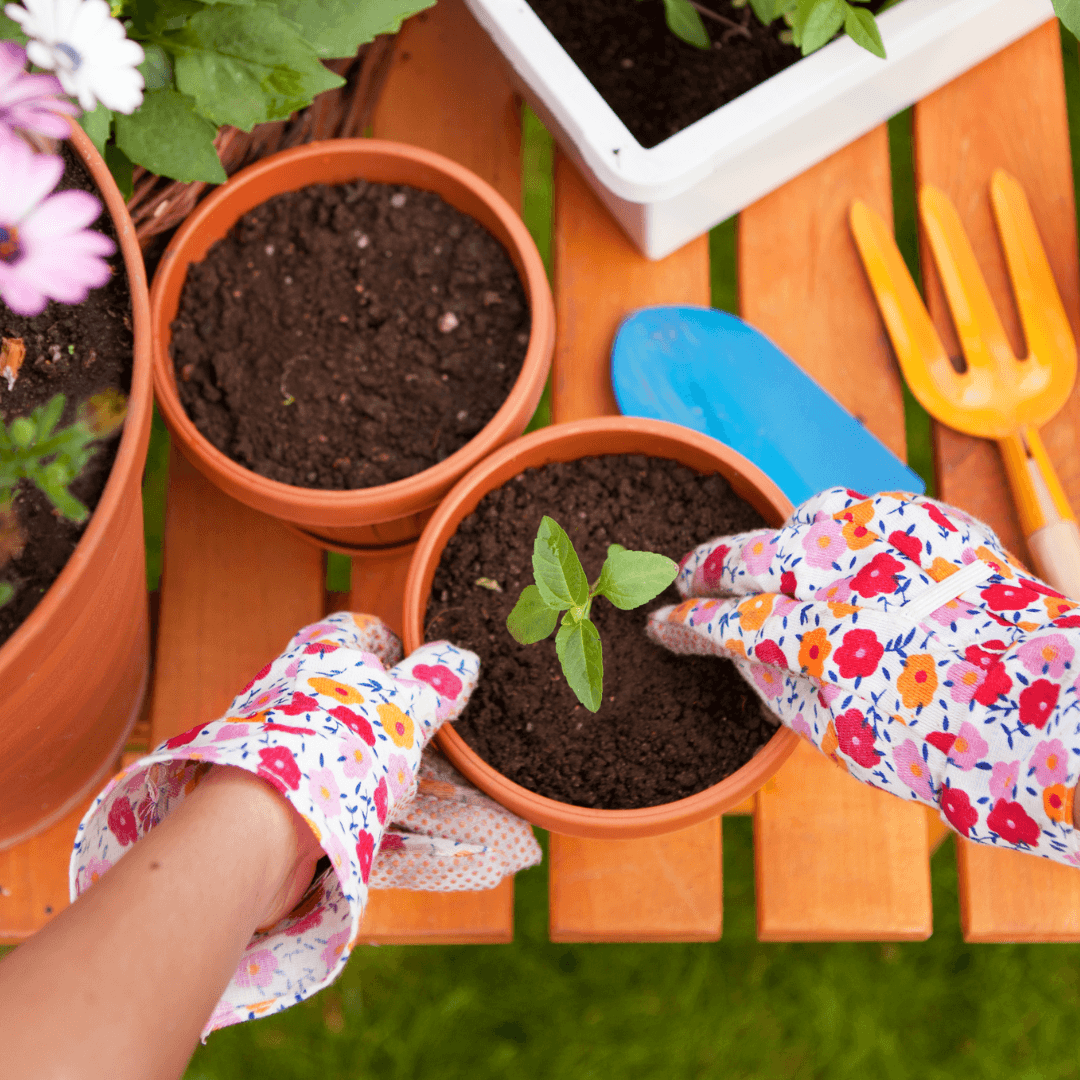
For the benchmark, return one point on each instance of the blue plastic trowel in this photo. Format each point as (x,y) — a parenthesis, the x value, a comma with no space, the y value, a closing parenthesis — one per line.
(710,371)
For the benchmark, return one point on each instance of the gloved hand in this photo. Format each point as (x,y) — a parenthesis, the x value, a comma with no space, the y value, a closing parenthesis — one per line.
(341,738)
(896,634)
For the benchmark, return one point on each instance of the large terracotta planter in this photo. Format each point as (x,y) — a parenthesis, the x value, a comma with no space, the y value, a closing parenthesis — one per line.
(567,442)
(74,674)
(364,519)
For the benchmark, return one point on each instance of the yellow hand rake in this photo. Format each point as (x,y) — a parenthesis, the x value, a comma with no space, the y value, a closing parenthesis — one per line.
(998,396)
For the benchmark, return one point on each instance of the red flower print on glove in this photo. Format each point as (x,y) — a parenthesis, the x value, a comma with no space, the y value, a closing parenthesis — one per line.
(122,822)
(856,738)
(185,737)
(365,852)
(1037,702)
(768,652)
(788,583)
(938,518)
(877,576)
(280,768)
(355,723)
(445,682)
(1012,824)
(859,655)
(300,703)
(712,567)
(958,811)
(261,674)
(904,542)
(1003,597)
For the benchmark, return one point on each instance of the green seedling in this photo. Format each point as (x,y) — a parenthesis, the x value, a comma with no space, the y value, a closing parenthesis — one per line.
(32,448)
(810,23)
(628,579)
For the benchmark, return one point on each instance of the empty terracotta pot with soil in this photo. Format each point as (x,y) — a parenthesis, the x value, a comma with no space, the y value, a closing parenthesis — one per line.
(343,330)
(74,672)
(676,739)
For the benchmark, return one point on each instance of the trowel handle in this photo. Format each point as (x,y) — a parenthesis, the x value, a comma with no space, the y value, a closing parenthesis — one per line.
(1046,517)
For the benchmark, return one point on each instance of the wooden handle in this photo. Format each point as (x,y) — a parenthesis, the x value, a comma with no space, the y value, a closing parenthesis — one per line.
(1056,551)
(1043,508)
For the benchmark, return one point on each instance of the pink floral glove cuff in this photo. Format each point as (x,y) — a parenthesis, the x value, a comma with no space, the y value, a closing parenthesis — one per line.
(341,738)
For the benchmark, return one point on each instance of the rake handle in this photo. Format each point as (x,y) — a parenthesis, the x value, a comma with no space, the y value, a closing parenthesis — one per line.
(1046,518)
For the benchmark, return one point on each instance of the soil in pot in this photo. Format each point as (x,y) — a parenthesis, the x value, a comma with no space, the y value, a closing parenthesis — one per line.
(669,726)
(656,83)
(349,336)
(78,351)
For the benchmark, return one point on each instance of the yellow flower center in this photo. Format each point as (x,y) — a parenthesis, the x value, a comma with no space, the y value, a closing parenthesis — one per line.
(1049,653)
(970,677)
(325,791)
(1051,761)
(916,769)
(961,745)
(824,541)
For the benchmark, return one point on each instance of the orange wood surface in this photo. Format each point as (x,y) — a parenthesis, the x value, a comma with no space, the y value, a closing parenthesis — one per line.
(603,890)
(407,917)
(667,888)
(1008,112)
(34,879)
(833,859)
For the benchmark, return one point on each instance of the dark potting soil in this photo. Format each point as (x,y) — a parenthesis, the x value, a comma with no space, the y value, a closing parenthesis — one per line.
(657,84)
(669,725)
(349,336)
(78,351)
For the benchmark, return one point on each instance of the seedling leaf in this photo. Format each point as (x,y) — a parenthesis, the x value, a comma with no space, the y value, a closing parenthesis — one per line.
(685,23)
(862,28)
(816,22)
(557,569)
(532,619)
(6,592)
(578,647)
(632,578)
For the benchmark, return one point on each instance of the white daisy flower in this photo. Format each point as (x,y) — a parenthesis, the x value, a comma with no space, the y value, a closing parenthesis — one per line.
(86,47)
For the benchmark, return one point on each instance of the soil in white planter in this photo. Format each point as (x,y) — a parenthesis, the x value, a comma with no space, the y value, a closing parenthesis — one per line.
(657,84)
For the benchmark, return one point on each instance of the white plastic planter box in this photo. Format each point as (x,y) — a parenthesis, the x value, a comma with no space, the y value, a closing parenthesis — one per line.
(682,187)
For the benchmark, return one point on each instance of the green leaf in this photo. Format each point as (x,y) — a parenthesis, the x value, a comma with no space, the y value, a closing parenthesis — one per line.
(10,30)
(120,167)
(557,568)
(532,619)
(765,10)
(339,27)
(817,22)
(685,23)
(1068,11)
(245,66)
(149,18)
(578,647)
(613,548)
(168,137)
(156,67)
(632,578)
(862,28)
(97,125)
(6,590)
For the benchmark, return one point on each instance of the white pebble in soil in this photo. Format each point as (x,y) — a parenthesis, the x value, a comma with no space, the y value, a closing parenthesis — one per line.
(288,280)
(461,415)
(363,241)
(448,321)
(269,249)
(398,200)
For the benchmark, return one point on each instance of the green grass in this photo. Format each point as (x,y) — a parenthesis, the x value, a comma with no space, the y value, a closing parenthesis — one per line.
(730,1009)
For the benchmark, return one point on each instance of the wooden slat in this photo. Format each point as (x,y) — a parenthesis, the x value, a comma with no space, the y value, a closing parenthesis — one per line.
(667,888)
(664,888)
(834,859)
(1009,112)
(34,879)
(446,91)
(236,586)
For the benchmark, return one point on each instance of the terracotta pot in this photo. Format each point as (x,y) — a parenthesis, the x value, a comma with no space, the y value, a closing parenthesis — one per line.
(75,673)
(567,442)
(393,514)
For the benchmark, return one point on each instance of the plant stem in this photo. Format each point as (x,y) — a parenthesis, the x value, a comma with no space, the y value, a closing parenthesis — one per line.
(739,28)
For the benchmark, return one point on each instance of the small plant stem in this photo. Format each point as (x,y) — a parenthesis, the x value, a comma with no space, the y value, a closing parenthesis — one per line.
(739,28)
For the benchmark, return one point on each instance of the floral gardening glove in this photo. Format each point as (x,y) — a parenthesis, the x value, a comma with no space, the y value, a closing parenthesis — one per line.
(897,635)
(341,738)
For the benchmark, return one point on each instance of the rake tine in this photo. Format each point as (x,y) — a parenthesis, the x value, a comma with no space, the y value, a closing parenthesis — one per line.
(1049,337)
(978,325)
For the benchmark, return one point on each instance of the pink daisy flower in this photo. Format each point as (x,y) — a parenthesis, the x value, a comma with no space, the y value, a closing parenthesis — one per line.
(1051,763)
(1003,779)
(1046,655)
(31,102)
(46,253)
(912,770)
(824,542)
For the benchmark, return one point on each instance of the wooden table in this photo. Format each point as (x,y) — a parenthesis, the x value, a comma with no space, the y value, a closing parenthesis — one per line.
(834,860)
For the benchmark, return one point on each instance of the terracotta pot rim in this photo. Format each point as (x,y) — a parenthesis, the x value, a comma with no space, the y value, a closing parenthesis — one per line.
(136,432)
(431,481)
(540,810)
